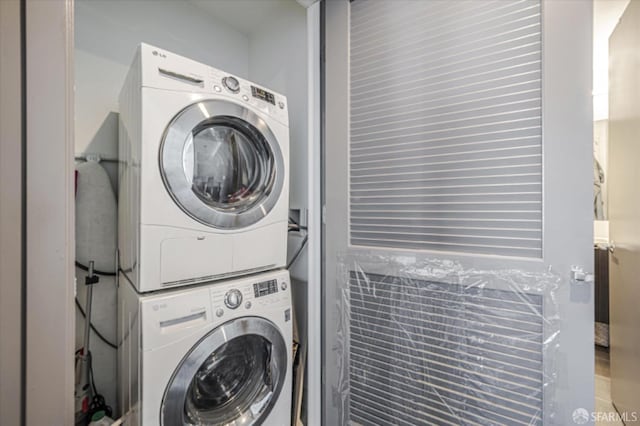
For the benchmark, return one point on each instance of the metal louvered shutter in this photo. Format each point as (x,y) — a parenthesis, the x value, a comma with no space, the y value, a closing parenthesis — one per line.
(445,126)
(425,353)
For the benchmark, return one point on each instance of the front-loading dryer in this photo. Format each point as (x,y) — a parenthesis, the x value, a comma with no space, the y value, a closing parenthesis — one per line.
(212,354)
(204,185)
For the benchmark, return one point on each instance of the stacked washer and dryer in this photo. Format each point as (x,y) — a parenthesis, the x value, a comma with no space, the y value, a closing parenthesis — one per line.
(205,325)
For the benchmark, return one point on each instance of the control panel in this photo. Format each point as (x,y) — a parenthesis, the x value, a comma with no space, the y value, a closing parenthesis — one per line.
(249,296)
(265,100)
(166,70)
(259,93)
(265,288)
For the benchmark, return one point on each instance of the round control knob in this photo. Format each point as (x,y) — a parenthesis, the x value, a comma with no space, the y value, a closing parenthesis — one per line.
(233,299)
(232,84)
(283,286)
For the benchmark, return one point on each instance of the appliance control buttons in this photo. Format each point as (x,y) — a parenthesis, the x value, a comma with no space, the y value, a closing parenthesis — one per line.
(232,84)
(233,299)
(217,88)
(219,312)
(245,97)
(247,305)
(283,286)
(281,105)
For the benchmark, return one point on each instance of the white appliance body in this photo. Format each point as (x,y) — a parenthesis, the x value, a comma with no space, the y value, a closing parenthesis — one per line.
(182,343)
(204,180)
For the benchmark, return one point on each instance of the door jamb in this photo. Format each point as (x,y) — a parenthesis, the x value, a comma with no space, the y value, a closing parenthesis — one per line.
(50,211)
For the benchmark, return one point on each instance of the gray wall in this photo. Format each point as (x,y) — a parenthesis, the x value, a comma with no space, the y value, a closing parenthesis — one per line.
(278,59)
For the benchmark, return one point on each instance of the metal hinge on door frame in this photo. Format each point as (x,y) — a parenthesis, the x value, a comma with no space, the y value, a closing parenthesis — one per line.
(579,276)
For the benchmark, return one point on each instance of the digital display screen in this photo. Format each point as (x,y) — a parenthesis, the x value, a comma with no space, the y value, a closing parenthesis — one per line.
(265,288)
(263,94)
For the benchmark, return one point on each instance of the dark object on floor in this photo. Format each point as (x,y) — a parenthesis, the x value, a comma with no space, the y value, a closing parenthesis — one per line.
(601,260)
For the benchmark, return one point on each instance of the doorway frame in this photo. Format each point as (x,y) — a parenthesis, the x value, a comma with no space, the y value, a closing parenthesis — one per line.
(49,213)
(11,210)
(567,134)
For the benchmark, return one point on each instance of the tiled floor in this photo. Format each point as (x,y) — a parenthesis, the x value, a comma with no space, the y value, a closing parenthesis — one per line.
(603,388)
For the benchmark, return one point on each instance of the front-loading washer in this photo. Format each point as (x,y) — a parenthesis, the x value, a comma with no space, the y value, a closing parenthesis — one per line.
(204,181)
(212,354)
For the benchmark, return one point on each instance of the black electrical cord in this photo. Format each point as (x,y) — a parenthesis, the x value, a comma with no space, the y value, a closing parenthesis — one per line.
(100,336)
(98,403)
(95,271)
(297,228)
(297,254)
(294,222)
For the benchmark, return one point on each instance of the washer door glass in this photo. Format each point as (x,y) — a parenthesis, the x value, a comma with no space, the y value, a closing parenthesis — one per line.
(237,383)
(221,164)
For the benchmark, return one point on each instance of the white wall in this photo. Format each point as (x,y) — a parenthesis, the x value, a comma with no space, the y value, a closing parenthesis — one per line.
(107,33)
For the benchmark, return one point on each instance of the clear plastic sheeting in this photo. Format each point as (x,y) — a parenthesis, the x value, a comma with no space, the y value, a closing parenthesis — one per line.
(431,342)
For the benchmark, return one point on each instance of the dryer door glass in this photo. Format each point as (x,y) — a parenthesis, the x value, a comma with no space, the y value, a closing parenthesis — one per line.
(222,164)
(233,376)
(230,164)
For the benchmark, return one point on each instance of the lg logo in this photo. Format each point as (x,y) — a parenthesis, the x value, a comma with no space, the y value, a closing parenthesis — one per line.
(158,307)
(156,53)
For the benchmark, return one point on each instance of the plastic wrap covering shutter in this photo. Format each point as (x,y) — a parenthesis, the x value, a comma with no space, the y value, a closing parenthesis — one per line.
(433,343)
(446,126)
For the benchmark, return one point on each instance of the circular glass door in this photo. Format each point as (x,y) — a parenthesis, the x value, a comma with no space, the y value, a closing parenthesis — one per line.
(221,164)
(233,376)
